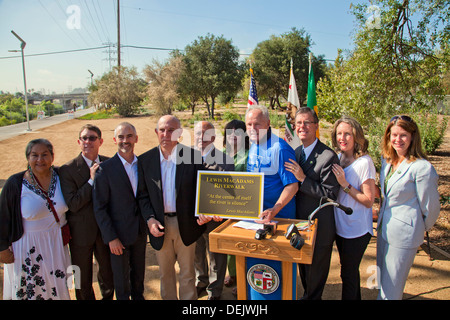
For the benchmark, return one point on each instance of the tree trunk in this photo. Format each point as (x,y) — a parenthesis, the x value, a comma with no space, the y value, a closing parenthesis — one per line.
(212,108)
(278,102)
(207,106)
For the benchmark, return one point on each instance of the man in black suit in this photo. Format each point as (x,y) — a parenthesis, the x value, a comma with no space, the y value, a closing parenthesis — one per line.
(77,178)
(117,213)
(166,194)
(313,170)
(210,278)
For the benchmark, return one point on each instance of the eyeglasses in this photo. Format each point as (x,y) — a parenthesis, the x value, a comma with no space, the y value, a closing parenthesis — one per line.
(306,123)
(405,118)
(90,138)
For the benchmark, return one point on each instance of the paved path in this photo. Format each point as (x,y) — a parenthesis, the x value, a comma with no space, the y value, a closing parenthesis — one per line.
(7,132)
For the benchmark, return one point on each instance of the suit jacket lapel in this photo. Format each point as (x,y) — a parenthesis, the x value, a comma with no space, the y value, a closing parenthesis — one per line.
(82,168)
(400,172)
(385,170)
(179,169)
(122,173)
(155,174)
(312,159)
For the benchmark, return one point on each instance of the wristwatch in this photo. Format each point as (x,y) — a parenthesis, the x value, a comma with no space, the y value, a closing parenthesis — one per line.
(347,189)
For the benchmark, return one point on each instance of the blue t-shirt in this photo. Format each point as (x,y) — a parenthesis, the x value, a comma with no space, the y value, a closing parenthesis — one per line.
(269,157)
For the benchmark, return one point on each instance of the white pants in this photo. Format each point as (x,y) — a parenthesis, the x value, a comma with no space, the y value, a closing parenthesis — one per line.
(393,267)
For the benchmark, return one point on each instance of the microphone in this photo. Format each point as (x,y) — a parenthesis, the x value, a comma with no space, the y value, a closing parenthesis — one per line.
(347,210)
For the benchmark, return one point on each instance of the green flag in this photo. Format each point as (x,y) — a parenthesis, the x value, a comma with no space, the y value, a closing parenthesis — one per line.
(311,98)
(312,102)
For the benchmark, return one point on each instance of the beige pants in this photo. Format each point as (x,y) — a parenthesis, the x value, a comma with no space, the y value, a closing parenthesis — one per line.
(174,250)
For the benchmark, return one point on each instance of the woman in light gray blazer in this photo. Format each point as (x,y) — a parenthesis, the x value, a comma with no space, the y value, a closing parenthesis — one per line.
(410,204)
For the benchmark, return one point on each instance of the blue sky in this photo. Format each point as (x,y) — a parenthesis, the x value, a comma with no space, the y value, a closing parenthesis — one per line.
(52,26)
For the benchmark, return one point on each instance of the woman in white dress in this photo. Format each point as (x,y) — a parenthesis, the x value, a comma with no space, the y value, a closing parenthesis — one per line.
(356,176)
(31,242)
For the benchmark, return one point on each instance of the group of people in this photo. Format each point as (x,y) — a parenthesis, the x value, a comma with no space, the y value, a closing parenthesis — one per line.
(113,205)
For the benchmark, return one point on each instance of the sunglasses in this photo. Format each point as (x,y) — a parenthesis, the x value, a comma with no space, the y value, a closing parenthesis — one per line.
(90,138)
(405,118)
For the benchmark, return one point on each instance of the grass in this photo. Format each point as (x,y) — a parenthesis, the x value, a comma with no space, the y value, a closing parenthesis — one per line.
(102,114)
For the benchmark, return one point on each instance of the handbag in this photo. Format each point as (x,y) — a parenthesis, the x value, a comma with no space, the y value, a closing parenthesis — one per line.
(65,230)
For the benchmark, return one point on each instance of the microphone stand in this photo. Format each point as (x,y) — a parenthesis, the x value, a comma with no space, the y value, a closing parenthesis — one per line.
(311,216)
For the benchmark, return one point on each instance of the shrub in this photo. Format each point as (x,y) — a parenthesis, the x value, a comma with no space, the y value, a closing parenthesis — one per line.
(432,131)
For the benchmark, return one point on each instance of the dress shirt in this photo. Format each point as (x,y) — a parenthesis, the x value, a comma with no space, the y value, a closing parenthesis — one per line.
(168,169)
(90,163)
(132,171)
(207,151)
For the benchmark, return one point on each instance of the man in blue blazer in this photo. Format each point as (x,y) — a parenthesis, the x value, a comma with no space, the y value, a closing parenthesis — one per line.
(118,215)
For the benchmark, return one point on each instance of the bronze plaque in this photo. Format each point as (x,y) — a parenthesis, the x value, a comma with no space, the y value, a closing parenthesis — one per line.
(230,195)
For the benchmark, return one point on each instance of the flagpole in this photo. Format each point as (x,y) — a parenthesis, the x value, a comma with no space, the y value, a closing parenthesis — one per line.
(315,106)
(310,60)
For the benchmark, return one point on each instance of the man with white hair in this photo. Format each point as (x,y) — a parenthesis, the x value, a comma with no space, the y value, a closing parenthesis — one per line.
(267,154)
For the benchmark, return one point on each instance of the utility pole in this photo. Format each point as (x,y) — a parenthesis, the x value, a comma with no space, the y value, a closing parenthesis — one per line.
(118,33)
(22,46)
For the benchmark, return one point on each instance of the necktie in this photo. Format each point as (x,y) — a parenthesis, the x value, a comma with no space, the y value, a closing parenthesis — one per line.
(302,159)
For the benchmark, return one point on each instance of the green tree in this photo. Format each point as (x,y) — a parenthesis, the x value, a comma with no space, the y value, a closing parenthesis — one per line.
(122,88)
(401,52)
(212,67)
(271,65)
(162,89)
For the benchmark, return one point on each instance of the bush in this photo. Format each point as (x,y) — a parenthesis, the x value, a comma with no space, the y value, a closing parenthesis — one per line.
(230,115)
(4,121)
(432,131)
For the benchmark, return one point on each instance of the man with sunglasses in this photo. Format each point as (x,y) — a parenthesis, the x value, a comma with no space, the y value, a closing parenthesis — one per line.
(77,178)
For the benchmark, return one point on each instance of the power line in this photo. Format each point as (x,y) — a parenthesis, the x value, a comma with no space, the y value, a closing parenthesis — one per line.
(56,22)
(55,52)
(93,21)
(102,24)
(108,45)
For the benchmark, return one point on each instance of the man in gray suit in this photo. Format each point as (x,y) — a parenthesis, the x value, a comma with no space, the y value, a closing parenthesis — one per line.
(214,160)
(313,170)
(77,178)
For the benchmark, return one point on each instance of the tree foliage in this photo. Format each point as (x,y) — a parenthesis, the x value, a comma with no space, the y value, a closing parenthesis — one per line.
(397,64)
(122,88)
(162,80)
(212,67)
(271,65)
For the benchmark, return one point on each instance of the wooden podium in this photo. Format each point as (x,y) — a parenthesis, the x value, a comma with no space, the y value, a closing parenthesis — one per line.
(242,243)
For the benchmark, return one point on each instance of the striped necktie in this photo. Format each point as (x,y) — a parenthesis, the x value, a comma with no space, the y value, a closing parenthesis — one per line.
(302,159)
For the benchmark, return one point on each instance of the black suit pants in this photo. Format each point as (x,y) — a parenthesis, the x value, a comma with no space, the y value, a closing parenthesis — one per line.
(129,270)
(82,257)
(314,276)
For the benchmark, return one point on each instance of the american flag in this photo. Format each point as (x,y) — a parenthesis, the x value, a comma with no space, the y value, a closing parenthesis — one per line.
(252,95)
